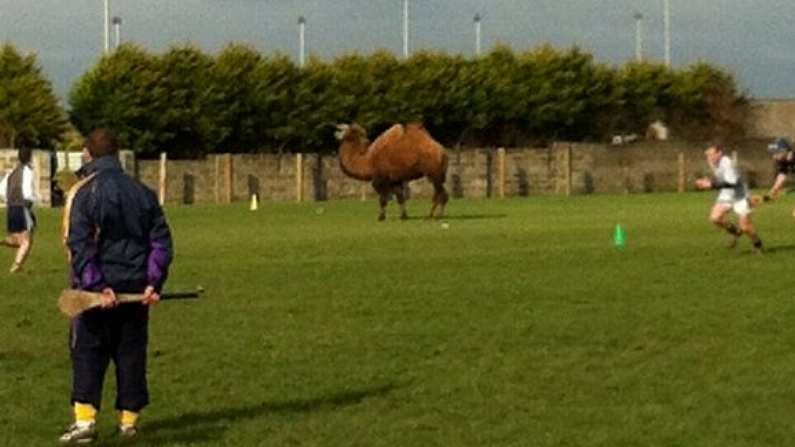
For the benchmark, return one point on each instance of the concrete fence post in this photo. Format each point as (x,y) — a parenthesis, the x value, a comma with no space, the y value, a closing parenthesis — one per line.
(299,177)
(38,173)
(567,169)
(223,178)
(682,169)
(228,179)
(163,178)
(217,178)
(501,172)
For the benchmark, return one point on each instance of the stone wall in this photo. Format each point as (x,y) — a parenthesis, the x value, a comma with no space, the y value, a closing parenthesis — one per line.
(473,173)
(656,167)
(772,118)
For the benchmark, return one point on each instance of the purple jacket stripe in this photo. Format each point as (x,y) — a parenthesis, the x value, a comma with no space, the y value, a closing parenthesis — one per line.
(157,264)
(91,278)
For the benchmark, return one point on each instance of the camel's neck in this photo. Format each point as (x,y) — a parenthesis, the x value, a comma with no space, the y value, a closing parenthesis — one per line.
(354,163)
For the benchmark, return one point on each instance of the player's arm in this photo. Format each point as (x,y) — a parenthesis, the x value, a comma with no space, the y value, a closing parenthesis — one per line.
(82,243)
(714,183)
(778,185)
(3,188)
(704,183)
(711,183)
(161,247)
(28,190)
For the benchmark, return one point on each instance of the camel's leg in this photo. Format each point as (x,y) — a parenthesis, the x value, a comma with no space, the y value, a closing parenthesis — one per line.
(440,199)
(383,198)
(400,194)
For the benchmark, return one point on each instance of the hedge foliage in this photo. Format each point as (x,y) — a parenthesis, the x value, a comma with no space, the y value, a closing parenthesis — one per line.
(30,115)
(239,100)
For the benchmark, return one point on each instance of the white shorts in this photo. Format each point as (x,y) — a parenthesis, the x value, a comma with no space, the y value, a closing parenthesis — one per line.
(740,207)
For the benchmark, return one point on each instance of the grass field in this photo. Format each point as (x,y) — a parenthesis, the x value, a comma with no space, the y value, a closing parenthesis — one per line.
(519,325)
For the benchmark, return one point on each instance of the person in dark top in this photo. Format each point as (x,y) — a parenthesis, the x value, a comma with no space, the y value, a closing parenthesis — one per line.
(118,242)
(18,191)
(781,151)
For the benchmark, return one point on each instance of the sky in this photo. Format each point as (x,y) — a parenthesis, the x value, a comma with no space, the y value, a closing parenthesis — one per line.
(753,39)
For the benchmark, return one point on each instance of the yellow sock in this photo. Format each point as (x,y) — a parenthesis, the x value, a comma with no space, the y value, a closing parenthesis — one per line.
(85,412)
(128,418)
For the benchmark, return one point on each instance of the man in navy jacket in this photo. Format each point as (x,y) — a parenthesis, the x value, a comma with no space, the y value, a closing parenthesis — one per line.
(118,242)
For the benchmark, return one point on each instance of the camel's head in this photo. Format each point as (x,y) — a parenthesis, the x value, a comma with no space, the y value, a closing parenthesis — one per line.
(351,132)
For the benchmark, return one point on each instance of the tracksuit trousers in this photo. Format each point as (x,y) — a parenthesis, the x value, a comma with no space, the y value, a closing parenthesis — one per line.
(98,336)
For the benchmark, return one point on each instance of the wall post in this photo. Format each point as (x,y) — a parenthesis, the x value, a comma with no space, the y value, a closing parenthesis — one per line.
(567,169)
(299,177)
(501,172)
(228,179)
(163,178)
(682,169)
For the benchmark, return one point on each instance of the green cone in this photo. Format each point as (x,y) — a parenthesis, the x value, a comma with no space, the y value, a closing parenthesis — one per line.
(619,238)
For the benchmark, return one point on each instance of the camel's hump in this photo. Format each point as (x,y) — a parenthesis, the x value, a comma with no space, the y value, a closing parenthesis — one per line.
(387,138)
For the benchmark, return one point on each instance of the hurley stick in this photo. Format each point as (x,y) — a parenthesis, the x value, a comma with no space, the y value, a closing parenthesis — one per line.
(73,302)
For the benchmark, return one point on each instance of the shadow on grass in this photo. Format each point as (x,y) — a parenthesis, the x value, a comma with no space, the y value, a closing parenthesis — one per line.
(461,217)
(202,435)
(780,248)
(209,425)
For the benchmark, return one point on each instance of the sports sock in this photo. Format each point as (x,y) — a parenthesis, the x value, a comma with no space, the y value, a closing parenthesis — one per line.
(128,418)
(85,413)
(733,230)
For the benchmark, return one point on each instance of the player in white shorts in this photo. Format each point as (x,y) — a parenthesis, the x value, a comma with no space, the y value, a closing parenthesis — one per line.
(732,196)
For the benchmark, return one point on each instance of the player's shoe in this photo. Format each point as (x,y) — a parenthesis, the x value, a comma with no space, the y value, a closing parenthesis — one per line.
(732,242)
(78,434)
(14,268)
(128,431)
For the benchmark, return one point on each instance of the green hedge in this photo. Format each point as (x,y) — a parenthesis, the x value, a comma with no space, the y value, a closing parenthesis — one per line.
(30,115)
(191,103)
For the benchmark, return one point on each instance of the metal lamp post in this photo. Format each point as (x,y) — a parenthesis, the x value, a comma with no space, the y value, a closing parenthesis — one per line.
(406,29)
(477,21)
(117,28)
(667,23)
(106,26)
(638,36)
(301,41)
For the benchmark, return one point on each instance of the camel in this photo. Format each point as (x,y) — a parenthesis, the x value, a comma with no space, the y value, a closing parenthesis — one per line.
(399,155)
